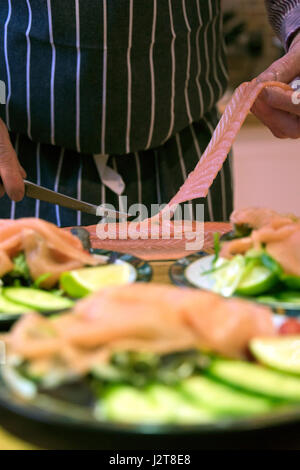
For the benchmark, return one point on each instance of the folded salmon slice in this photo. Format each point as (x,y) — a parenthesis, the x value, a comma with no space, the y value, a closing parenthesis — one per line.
(278,234)
(149,317)
(284,247)
(258,217)
(48,249)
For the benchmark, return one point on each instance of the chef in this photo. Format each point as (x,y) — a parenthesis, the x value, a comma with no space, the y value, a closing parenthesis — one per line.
(112,98)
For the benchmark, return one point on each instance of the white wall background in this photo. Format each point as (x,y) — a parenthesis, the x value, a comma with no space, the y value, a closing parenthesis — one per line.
(266,170)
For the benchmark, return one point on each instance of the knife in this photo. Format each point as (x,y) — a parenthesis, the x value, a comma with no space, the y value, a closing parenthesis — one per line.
(35,191)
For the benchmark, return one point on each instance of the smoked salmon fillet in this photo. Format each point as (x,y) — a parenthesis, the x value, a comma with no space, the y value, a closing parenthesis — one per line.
(158,248)
(138,317)
(201,178)
(196,185)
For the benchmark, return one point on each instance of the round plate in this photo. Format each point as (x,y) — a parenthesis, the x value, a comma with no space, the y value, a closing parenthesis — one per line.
(185,272)
(63,413)
(141,271)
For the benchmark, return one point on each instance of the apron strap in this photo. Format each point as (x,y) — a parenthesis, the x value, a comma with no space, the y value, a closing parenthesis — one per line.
(109,177)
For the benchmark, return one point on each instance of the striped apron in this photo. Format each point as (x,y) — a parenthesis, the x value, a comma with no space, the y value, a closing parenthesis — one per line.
(110,98)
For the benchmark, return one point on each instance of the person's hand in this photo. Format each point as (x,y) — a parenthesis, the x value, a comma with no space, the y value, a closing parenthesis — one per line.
(11,172)
(275,107)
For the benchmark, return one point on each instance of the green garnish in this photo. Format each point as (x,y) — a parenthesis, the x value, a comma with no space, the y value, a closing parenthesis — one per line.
(21,269)
(271,264)
(37,283)
(217,246)
(140,368)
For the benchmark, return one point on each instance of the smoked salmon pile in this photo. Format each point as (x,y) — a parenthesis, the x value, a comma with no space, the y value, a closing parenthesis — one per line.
(258,217)
(138,317)
(47,249)
(196,186)
(278,234)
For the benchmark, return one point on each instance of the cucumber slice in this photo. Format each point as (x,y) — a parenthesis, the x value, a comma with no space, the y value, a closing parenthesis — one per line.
(289,296)
(154,404)
(127,404)
(257,281)
(178,406)
(36,299)
(281,353)
(271,300)
(257,379)
(223,399)
(293,282)
(8,307)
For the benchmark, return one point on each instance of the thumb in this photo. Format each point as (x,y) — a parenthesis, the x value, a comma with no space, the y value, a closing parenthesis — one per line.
(285,69)
(23,172)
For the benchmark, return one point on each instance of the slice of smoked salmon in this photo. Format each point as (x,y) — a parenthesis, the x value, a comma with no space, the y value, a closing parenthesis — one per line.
(257,217)
(138,317)
(48,249)
(278,234)
(200,180)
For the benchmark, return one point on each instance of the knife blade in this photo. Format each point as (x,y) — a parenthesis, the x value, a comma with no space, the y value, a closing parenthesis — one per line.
(35,191)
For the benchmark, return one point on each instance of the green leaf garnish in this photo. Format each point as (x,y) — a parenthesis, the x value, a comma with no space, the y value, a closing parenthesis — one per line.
(217,246)
(21,269)
(37,283)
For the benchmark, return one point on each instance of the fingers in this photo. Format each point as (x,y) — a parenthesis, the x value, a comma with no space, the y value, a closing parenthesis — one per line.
(281,123)
(281,99)
(284,69)
(10,169)
(23,172)
(276,108)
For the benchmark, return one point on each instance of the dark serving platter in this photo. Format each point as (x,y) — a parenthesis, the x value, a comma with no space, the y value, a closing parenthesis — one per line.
(183,273)
(74,417)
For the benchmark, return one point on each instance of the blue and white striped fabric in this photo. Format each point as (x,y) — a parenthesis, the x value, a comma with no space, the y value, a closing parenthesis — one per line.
(101,88)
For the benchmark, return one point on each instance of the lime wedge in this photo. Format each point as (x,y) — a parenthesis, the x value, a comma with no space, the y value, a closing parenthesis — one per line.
(282,353)
(227,278)
(257,281)
(81,282)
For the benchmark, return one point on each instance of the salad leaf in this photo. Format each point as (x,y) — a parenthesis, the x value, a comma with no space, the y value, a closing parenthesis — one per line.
(141,368)
(21,269)
(271,264)
(217,246)
(37,283)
